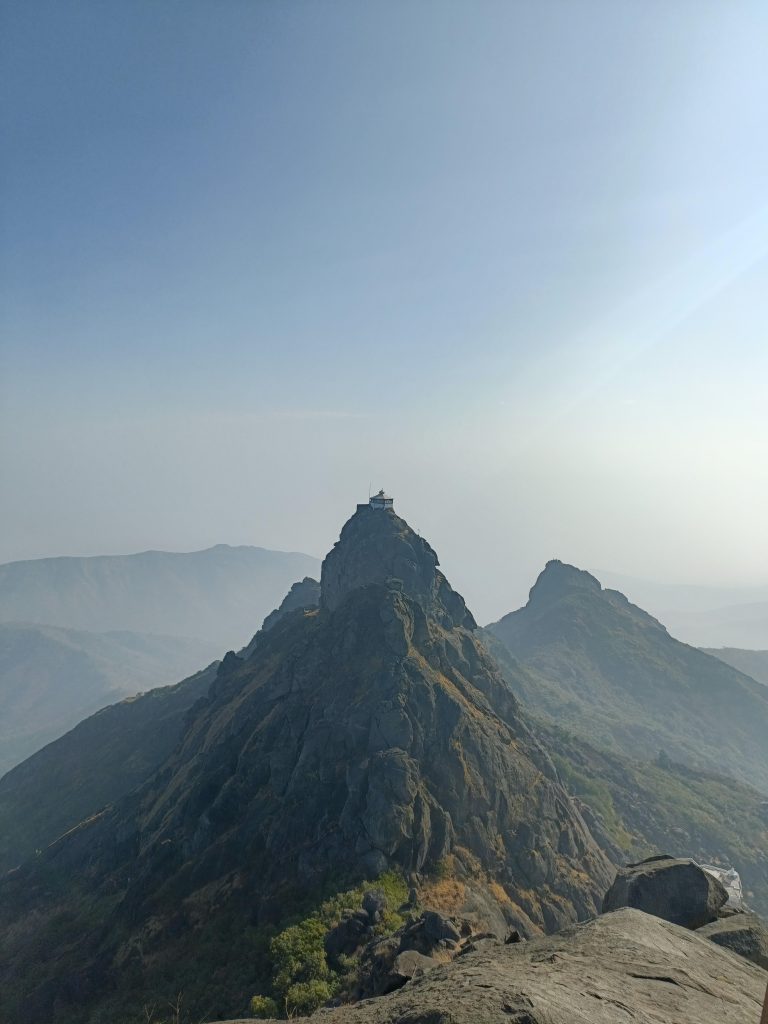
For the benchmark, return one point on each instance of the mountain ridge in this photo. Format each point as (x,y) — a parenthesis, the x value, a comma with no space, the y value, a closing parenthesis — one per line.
(610,671)
(215,594)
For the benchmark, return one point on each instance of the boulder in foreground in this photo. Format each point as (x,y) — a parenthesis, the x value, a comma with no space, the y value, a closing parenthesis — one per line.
(676,890)
(625,966)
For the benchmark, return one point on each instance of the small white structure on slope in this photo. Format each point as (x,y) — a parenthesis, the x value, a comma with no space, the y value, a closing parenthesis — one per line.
(732,882)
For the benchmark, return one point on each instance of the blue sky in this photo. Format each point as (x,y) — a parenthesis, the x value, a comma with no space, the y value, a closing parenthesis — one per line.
(506,259)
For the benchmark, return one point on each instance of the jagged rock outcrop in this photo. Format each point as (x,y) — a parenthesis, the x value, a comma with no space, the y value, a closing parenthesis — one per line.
(671,888)
(380,547)
(372,733)
(625,966)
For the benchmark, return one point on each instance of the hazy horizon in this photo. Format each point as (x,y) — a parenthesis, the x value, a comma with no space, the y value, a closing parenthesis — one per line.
(676,603)
(507,260)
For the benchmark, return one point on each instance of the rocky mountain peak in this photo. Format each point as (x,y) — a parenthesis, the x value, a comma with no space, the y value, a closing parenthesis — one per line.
(611,669)
(376,546)
(558,578)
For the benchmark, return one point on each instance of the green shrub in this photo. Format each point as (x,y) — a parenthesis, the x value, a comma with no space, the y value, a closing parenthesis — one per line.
(263,1007)
(306,996)
(298,954)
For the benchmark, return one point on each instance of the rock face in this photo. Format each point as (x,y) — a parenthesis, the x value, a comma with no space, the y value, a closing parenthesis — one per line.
(608,671)
(624,967)
(744,934)
(377,546)
(675,890)
(305,594)
(372,733)
(408,965)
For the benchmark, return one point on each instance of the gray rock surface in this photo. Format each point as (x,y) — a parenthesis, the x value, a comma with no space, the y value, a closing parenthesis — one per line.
(437,927)
(351,932)
(380,547)
(305,594)
(374,904)
(745,934)
(623,968)
(406,966)
(676,890)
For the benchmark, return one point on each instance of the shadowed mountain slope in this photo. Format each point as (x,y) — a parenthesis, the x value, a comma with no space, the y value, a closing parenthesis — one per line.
(107,755)
(606,669)
(96,763)
(372,733)
(52,678)
(216,594)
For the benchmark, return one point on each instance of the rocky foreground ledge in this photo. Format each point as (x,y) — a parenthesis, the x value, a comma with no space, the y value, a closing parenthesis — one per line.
(625,967)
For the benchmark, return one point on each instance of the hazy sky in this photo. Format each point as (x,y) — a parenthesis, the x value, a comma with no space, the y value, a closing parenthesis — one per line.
(507,260)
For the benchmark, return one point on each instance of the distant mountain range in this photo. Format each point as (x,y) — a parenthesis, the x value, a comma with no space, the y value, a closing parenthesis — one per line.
(219,595)
(77,634)
(742,625)
(51,678)
(608,671)
(107,755)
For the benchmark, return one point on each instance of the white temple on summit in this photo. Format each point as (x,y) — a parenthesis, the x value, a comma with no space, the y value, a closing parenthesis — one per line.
(381,500)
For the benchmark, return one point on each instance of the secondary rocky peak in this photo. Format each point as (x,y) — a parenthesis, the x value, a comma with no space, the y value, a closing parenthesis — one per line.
(376,546)
(604,667)
(557,578)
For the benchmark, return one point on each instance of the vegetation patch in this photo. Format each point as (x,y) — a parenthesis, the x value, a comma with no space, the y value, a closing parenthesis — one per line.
(302,976)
